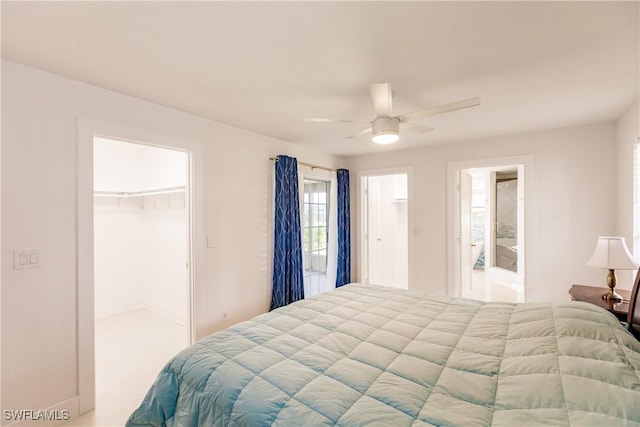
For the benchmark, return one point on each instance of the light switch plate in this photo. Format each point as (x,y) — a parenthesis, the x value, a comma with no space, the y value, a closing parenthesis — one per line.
(27,258)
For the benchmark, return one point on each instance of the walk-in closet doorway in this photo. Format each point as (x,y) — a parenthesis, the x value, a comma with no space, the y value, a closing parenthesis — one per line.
(141,265)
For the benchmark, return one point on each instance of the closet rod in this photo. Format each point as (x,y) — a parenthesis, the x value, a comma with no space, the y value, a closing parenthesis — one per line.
(142,193)
(312,166)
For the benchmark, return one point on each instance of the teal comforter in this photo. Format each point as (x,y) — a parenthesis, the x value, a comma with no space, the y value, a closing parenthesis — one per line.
(365,355)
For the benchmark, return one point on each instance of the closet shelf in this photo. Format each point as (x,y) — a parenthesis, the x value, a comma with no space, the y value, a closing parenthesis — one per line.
(142,193)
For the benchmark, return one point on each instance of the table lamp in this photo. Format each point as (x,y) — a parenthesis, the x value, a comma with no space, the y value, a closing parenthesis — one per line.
(612,253)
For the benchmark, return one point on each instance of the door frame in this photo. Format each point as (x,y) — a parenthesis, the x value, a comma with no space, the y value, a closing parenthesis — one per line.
(362,220)
(465,226)
(526,162)
(87,129)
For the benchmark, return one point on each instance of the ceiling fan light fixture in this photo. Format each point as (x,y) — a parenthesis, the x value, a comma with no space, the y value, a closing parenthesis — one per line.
(385,130)
(387,137)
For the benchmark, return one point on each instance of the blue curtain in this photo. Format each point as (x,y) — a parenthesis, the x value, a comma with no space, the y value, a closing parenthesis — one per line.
(343,275)
(287,240)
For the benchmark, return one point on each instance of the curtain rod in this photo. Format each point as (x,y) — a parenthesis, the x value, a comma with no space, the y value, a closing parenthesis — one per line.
(312,166)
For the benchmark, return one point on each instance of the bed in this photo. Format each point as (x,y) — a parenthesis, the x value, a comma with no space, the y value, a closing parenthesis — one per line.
(366,355)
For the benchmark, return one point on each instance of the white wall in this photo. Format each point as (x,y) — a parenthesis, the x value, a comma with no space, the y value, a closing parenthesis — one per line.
(117,243)
(164,236)
(574,180)
(124,167)
(627,133)
(140,255)
(44,116)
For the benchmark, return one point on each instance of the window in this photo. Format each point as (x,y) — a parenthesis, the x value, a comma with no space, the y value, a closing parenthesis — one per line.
(636,199)
(314,226)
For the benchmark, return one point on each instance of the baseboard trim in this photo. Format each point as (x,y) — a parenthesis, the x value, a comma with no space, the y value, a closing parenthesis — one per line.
(102,312)
(167,313)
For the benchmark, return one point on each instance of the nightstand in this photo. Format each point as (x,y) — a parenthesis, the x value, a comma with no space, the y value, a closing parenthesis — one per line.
(593,295)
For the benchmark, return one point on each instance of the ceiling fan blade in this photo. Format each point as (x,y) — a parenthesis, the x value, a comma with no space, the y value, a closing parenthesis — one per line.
(326,120)
(362,132)
(439,109)
(416,128)
(381,95)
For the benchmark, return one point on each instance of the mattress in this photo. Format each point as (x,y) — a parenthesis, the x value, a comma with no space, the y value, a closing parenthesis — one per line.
(367,355)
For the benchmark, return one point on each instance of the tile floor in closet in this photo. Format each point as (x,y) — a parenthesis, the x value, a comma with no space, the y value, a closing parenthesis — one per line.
(131,348)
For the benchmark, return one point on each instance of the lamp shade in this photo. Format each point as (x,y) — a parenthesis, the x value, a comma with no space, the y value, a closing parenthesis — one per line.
(612,253)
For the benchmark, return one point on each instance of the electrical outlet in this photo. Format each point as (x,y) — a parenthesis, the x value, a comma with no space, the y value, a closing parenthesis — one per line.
(225,317)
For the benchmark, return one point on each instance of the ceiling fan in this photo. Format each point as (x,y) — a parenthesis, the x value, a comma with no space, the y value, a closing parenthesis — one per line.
(385,127)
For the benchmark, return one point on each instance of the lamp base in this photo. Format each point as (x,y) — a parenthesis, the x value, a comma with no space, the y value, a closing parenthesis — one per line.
(612,295)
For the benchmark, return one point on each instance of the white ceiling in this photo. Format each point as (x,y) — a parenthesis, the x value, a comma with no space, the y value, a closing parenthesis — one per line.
(265,66)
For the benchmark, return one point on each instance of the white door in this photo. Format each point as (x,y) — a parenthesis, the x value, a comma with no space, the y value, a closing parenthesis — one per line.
(465,239)
(385,230)
(373,232)
(521,225)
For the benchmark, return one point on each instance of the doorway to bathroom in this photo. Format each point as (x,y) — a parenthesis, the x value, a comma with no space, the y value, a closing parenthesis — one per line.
(488,230)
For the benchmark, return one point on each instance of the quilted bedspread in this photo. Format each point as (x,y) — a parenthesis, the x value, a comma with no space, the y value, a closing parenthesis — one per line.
(365,355)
